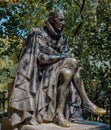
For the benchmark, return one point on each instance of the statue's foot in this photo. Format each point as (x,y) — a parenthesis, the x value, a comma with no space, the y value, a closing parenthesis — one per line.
(94,109)
(15,128)
(61,121)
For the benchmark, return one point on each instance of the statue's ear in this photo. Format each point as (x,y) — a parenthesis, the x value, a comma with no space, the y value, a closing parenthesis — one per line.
(51,18)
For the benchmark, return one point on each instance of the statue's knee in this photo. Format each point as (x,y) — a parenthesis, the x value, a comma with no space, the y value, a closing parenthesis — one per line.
(67,73)
(73,61)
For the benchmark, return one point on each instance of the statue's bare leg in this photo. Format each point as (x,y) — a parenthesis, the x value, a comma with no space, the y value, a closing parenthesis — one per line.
(63,89)
(86,101)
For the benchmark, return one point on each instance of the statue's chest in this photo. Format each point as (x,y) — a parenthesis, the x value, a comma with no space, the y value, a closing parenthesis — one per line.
(56,44)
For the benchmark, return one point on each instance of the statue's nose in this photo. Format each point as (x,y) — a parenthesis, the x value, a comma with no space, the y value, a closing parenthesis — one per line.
(63,22)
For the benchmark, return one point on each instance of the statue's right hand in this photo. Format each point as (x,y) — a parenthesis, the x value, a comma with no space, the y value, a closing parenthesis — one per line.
(64,56)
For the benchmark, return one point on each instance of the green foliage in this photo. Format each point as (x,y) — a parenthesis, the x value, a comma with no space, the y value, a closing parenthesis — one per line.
(9,53)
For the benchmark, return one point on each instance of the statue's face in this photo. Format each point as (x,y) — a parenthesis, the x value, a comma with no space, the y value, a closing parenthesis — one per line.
(59,21)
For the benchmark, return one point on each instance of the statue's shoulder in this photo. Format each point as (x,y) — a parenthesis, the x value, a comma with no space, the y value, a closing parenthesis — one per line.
(34,31)
(38,31)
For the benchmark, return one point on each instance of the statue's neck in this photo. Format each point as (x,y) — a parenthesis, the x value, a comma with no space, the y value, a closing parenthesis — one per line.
(52,30)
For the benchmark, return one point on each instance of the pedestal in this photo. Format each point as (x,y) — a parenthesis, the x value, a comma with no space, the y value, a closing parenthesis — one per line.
(74,126)
(89,125)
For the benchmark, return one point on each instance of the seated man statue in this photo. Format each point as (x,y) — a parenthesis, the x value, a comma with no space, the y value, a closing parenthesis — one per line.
(48,80)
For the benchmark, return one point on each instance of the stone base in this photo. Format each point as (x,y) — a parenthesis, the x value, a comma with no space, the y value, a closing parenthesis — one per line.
(74,126)
(88,125)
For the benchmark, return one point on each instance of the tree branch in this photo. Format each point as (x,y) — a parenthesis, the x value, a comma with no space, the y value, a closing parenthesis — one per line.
(82,7)
(77,4)
(76,30)
(81,14)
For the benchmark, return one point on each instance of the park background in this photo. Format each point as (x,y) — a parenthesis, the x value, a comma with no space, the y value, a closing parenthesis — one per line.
(88,30)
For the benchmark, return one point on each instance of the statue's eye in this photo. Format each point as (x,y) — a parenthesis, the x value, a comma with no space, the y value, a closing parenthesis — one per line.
(62,20)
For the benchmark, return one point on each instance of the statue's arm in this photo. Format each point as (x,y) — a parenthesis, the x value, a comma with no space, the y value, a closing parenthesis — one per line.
(46,54)
(49,58)
(64,49)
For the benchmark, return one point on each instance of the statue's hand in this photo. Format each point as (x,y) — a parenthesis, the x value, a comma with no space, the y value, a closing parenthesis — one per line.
(65,56)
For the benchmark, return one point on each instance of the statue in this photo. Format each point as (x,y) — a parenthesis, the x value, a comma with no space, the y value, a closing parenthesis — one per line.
(48,82)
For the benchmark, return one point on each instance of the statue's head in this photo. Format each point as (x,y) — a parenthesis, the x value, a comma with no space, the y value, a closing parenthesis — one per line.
(57,19)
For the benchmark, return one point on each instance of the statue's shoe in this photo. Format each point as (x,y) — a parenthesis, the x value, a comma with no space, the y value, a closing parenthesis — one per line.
(61,121)
(15,128)
(92,108)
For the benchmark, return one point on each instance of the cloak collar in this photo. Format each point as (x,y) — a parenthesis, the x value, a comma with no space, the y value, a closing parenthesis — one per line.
(51,30)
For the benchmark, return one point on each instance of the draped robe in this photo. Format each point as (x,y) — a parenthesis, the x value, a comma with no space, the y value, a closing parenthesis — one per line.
(35,89)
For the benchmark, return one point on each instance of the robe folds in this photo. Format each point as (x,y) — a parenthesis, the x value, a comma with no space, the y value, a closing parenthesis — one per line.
(35,89)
